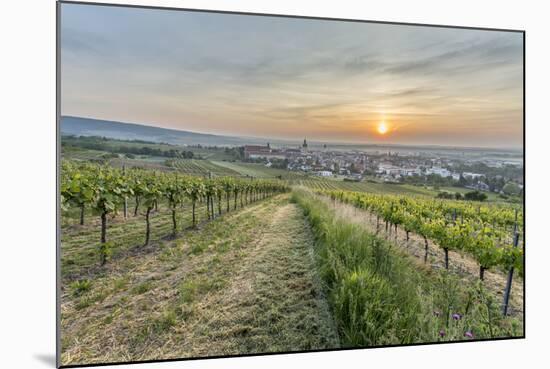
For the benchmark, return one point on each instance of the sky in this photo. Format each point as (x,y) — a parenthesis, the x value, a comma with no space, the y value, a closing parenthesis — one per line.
(291,78)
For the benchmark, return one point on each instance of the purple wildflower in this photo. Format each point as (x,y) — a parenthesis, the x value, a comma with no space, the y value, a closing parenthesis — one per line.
(442,333)
(469,334)
(457,316)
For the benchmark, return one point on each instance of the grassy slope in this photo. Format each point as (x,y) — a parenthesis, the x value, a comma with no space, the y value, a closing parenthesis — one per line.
(243,283)
(381,295)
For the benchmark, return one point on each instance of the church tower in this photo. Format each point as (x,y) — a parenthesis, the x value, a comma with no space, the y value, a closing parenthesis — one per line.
(304,146)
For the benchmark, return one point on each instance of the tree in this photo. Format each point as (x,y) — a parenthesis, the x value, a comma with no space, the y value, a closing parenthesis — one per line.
(511,189)
(462,182)
(475,196)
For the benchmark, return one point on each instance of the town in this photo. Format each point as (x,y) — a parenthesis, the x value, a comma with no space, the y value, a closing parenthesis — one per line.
(498,175)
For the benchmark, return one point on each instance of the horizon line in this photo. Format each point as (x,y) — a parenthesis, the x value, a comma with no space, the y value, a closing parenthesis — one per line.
(350,143)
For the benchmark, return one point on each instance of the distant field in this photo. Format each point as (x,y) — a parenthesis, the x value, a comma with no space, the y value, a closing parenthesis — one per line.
(77,153)
(311,181)
(81,145)
(81,154)
(260,170)
(204,168)
(112,144)
(210,154)
(328,184)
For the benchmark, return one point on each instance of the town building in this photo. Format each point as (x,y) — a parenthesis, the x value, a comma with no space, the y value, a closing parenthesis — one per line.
(262,152)
(438,171)
(324,173)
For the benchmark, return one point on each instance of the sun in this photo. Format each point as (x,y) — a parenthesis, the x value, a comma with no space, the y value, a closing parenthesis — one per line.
(382,128)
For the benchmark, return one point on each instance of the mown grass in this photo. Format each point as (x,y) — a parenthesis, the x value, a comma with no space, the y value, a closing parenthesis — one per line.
(80,244)
(380,296)
(251,289)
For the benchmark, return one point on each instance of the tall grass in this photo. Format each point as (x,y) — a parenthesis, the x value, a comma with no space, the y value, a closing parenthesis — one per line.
(379,296)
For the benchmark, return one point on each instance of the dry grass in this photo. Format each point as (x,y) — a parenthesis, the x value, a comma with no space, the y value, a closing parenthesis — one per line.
(244,283)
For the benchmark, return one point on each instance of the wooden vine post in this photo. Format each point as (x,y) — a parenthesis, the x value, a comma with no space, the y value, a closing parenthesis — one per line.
(508,287)
(125,197)
(446,249)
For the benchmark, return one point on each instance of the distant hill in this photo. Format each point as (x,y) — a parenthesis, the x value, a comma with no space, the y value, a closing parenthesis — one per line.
(78,126)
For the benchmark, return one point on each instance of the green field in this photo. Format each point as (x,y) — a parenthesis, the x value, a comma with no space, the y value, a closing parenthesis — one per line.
(109,144)
(203,168)
(260,170)
(210,153)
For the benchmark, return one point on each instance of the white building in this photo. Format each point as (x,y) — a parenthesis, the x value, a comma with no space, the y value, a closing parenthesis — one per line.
(324,173)
(472,175)
(410,172)
(388,169)
(438,171)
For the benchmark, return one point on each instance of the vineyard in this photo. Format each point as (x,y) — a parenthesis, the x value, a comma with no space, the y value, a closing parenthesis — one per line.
(148,256)
(202,168)
(491,234)
(317,183)
(106,191)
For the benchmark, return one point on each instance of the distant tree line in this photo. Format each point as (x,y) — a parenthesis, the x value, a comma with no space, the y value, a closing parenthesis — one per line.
(109,145)
(507,171)
(430,179)
(469,196)
(236,152)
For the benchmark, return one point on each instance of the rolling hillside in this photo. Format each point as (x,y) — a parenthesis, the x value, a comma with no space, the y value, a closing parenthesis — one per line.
(78,126)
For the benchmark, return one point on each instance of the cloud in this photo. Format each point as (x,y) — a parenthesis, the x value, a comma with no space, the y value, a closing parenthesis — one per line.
(207,71)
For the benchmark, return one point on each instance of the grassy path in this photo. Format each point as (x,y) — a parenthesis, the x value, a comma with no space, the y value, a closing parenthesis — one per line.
(274,301)
(243,283)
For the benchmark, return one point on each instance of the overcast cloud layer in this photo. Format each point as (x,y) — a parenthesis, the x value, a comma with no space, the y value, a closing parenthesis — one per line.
(290,78)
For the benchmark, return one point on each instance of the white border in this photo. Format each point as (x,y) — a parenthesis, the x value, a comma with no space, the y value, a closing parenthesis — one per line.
(28,181)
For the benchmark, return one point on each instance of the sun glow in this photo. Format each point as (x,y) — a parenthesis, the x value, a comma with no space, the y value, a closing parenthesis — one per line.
(382,128)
